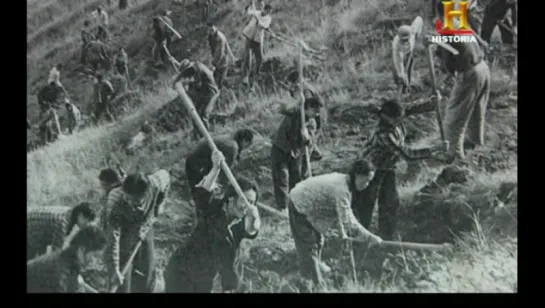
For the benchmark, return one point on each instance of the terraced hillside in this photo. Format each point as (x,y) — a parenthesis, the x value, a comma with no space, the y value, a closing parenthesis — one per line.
(473,204)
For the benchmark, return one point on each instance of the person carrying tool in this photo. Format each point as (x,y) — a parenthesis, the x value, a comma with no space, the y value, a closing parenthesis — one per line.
(134,208)
(121,64)
(109,179)
(321,204)
(202,88)
(101,22)
(254,35)
(74,116)
(494,13)
(59,272)
(103,93)
(288,148)
(160,34)
(221,52)
(198,162)
(86,37)
(403,53)
(166,19)
(213,247)
(49,226)
(49,127)
(384,149)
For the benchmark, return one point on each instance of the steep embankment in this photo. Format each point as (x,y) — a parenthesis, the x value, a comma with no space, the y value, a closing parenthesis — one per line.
(475,201)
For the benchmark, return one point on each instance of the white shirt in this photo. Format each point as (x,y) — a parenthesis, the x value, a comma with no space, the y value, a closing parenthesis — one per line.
(101,19)
(254,29)
(54,75)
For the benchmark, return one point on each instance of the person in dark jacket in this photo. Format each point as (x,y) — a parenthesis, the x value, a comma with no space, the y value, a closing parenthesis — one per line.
(384,149)
(214,244)
(166,19)
(160,34)
(103,93)
(87,37)
(495,12)
(288,148)
(203,89)
(59,272)
(198,162)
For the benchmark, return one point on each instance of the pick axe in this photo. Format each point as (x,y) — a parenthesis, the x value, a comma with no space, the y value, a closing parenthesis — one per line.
(410,245)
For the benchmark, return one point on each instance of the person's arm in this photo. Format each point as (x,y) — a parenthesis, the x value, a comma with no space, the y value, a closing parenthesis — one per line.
(514,18)
(113,204)
(86,287)
(220,51)
(105,18)
(348,224)
(110,89)
(406,152)
(209,180)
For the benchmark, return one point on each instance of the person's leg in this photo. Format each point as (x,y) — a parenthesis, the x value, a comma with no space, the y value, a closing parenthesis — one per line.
(487,28)
(307,245)
(280,177)
(506,36)
(388,203)
(458,109)
(145,265)
(295,170)
(476,125)
(258,54)
(246,61)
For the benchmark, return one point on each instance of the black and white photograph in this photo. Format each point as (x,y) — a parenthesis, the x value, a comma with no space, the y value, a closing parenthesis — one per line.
(272,146)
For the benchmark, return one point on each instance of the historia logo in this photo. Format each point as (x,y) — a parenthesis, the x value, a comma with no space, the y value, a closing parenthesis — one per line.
(456,24)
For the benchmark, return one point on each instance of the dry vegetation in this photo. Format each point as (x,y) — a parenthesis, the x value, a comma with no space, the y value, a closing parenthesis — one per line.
(471,207)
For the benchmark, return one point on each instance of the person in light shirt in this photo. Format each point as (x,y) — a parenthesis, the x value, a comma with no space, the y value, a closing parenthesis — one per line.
(101,21)
(254,33)
(402,52)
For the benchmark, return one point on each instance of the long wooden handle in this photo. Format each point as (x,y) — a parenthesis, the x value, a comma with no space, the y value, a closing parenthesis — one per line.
(114,288)
(200,125)
(434,85)
(301,92)
(170,28)
(410,245)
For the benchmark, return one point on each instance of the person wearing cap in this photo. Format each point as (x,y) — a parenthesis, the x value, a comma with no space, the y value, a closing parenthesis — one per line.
(403,52)
(101,22)
(221,52)
(59,272)
(288,147)
(213,247)
(134,208)
(322,204)
(203,89)
(384,150)
(254,35)
(465,110)
(103,93)
(74,116)
(494,13)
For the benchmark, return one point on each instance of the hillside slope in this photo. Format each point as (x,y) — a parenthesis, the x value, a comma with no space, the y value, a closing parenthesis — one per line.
(467,204)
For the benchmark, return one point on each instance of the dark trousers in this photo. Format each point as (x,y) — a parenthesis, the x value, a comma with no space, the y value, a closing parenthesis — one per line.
(160,52)
(123,4)
(308,244)
(409,67)
(488,26)
(219,75)
(382,188)
(102,33)
(204,105)
(103,108)
(286,172)
(121,68)
(140,278)
(257,51)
